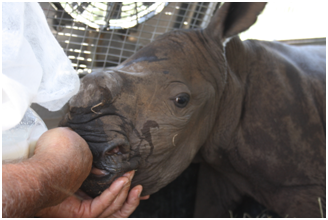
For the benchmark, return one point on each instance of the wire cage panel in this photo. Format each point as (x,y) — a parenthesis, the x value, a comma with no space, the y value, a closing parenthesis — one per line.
(99,43)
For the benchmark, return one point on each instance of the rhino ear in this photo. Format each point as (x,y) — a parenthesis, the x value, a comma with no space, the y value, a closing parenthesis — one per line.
(232,18)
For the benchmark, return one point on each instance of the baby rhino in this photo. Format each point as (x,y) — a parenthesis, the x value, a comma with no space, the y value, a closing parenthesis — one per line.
(253,112)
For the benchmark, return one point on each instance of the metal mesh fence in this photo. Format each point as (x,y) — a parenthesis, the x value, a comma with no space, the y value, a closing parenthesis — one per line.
(103,34)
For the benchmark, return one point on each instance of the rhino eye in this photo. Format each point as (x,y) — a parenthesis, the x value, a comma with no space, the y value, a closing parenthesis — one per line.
(181,100)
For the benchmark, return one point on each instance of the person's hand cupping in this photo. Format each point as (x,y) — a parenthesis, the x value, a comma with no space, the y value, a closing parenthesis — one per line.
(116,201)
(63,147)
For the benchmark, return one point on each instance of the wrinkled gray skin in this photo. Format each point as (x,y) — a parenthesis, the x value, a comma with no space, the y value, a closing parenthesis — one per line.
(256,117)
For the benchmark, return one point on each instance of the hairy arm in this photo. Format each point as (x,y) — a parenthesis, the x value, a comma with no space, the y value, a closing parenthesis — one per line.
(61,162)
(24,189)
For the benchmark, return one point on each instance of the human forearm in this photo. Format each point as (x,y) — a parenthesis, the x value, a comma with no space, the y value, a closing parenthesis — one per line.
(24,191)
(61,162)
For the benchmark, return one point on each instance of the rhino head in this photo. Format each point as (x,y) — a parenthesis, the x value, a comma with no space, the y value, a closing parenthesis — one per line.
(153,112)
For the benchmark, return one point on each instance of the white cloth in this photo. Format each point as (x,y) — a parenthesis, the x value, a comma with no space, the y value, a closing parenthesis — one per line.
(34,66)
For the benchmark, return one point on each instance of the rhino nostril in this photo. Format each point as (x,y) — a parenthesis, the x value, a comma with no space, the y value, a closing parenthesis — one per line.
(112,151)
(116,146)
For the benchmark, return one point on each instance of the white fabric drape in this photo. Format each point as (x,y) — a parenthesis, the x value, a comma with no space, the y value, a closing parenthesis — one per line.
(35,68)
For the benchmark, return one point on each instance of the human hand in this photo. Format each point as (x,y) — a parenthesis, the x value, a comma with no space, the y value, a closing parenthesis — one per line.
(61,162)
(66,160)
(116,201)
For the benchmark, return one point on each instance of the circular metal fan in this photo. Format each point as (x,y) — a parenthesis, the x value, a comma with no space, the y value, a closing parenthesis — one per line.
(112,15)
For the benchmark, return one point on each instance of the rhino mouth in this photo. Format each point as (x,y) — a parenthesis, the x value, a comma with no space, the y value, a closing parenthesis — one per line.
(100,179)
(98,172)
(112,164)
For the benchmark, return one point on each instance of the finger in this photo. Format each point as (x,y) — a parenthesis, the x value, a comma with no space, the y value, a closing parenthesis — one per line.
(66,209)
(120,199)
(131,203)
(105,200)
(82,195)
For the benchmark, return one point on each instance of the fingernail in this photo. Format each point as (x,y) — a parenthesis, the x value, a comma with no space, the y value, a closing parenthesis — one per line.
(123,182)
(129,174)
(139,193)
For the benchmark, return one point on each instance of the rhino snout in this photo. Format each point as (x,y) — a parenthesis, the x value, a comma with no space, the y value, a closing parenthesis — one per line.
(110,160)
